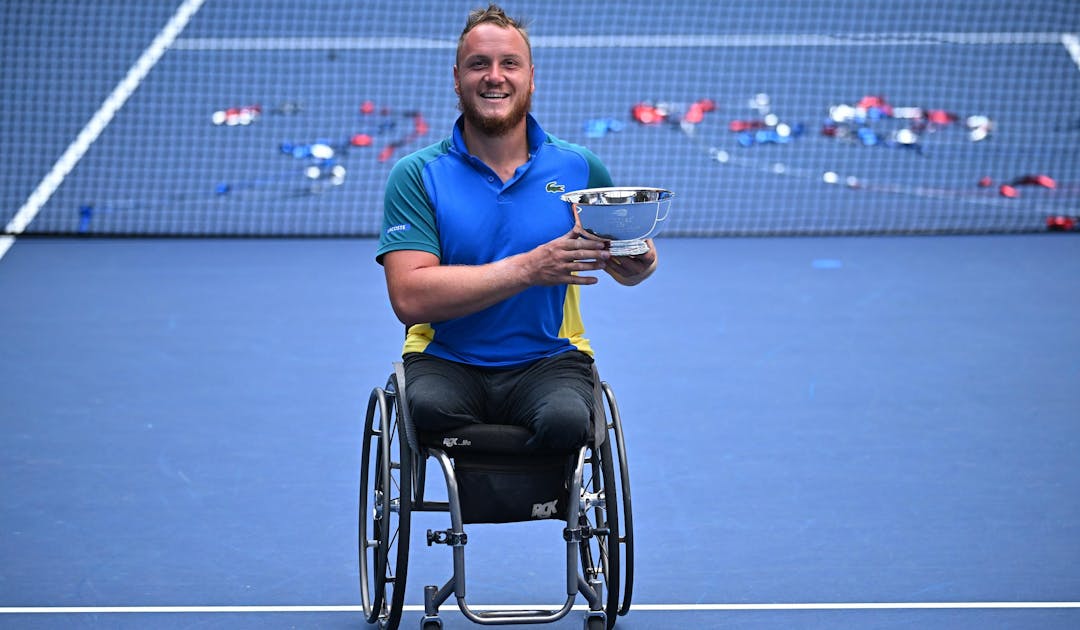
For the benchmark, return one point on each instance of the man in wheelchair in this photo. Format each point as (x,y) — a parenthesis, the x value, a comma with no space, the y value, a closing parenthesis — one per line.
(484,260)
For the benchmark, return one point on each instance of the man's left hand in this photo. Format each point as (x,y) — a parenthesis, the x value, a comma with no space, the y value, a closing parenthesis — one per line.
(630,270)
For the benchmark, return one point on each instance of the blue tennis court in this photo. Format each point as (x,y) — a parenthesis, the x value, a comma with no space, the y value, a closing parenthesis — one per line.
(856,421)
(825,431)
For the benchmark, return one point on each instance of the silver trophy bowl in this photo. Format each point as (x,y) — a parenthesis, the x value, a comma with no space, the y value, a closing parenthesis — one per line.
(625,216)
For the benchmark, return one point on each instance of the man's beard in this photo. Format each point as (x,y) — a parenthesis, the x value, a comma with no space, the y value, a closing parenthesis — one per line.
(492,125)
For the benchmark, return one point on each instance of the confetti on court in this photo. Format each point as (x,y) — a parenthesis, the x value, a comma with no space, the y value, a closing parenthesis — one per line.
(765,126)
(246,115)
(236,116)
(600,127)
(318,165)
(1062,223)
(322,160)
(873,121)
(683,116)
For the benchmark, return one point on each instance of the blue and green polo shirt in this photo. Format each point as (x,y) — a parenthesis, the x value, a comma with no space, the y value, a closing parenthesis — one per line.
(444,201)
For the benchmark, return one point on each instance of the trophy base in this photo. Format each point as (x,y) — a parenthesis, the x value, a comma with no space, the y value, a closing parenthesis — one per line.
(629,248)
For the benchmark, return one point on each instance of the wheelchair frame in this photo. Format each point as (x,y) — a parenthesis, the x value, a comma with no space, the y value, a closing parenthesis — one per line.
(599,557)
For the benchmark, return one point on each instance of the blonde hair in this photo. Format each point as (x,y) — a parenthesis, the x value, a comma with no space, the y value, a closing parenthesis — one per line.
(493,14)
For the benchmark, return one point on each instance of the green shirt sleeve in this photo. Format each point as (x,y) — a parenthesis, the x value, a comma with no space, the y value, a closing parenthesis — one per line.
(408,216)
(599,177)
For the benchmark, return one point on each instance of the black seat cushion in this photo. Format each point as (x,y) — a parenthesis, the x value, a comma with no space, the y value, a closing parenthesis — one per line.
(479,438)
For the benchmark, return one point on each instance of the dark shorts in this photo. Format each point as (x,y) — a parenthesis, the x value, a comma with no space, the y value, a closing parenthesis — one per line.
(552,397)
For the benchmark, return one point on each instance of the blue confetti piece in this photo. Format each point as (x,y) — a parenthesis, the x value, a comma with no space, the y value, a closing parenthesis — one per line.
(86,213)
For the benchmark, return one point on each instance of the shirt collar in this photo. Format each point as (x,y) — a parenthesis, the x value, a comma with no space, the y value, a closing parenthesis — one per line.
(534,132)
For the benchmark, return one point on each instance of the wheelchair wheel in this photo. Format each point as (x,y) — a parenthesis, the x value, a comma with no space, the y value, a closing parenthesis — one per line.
(385,511)
(626,540)
(600,551)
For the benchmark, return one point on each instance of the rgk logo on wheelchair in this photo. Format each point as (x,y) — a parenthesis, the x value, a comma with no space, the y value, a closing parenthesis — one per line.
(544,510)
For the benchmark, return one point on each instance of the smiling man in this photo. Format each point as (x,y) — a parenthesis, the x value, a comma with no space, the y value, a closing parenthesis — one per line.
(483,259)
(493,78)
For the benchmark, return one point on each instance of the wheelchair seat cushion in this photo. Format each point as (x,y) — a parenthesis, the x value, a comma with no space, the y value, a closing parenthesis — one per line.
(495,439)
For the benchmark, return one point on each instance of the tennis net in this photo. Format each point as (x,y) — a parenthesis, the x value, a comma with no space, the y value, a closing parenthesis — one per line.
(215,117)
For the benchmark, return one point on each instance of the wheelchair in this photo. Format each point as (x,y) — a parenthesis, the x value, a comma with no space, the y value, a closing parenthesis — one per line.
(490,479)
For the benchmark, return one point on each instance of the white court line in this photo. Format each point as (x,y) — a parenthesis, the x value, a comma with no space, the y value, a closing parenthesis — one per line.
(101,119)
(673,40)
(68,610)
(311,43)
(1072,44)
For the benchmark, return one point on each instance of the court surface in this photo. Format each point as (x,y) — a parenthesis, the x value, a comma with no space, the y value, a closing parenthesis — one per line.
(824,432)
(830,425)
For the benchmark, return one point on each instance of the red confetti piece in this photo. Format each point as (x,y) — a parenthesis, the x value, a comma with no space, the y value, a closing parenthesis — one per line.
(647,114)
(746,125)
(941,117)
(420,126)
(1060,223)
(694,114)
(1035,180)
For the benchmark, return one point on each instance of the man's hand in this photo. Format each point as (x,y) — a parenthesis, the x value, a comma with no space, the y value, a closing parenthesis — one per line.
(560,261)
(631,270)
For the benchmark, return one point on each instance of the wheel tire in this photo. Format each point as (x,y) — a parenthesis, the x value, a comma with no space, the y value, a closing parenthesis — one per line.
(600,552)
(385,506)
(370,547)
(626,542)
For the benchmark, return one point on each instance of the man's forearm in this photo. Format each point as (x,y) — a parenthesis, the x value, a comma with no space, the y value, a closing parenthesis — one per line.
(442,292)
